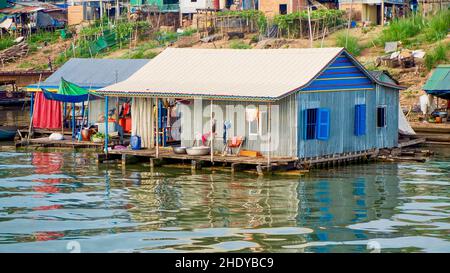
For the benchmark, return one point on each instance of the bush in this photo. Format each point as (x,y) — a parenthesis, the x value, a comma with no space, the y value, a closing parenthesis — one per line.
(402,29)
(437,55)
(6,42)
(42,37)
(239,45)
(352,44)
(438,26)
(427,29)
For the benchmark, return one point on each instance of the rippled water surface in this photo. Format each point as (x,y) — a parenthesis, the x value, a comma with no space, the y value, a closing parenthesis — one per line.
(60,202)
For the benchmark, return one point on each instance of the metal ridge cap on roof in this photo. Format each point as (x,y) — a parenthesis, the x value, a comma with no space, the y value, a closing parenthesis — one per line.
(192,95)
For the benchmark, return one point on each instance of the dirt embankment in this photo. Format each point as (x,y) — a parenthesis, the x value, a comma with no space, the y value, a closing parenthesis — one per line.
(39,59)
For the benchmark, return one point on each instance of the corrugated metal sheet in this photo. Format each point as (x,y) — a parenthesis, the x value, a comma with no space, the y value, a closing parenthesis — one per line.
(268,73)
(439,80)
(196,119)
(342,117)
(94,73)
(341,74)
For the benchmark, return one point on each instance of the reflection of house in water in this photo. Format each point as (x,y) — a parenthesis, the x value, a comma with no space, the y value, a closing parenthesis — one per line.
(213,201)
(360,196)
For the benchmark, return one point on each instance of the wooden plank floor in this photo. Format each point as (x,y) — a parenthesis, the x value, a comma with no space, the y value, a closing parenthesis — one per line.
(44,141)
(169,154)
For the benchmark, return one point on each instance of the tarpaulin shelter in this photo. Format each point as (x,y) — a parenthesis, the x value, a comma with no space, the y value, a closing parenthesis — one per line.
(47,113)
(439,83)
(67,92)
(90,74)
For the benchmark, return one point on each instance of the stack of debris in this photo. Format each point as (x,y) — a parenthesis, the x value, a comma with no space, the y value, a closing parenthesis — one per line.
(13,53)
(403,58)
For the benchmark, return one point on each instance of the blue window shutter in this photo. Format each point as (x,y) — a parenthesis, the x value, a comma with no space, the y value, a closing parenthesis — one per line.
(305,124)
(362,120)
(357,119)
(323,124)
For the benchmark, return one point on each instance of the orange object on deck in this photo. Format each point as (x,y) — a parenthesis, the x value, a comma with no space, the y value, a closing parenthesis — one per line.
(127,127)
(126,124)
(250,153)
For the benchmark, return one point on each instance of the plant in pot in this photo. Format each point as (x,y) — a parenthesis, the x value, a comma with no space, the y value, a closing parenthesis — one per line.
(98,137)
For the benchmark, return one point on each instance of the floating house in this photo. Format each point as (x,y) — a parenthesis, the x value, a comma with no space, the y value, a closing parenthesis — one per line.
(296,103)
(90,74)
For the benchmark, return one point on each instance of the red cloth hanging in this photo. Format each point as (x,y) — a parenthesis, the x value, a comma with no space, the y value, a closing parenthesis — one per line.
(47,113)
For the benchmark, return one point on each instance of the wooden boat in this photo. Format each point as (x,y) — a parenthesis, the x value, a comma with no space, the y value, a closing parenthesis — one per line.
(13,98)
(7,132)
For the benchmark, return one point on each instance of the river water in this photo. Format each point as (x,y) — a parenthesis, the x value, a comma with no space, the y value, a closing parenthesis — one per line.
(63,202)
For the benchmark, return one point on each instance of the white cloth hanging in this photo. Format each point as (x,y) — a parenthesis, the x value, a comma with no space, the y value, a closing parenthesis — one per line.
(141,120)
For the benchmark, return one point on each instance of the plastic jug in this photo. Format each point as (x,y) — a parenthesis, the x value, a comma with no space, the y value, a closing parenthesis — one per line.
(135,142)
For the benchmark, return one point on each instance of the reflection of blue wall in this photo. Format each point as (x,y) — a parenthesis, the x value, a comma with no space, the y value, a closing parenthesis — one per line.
(330,205)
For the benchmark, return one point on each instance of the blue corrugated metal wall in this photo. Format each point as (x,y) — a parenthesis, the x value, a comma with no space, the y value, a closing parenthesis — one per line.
(339,88)
(342,74)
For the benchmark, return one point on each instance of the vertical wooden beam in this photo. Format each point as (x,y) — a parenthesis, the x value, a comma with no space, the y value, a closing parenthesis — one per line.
(269,132)
(212,134)
(382,12)
(106,125)
(309,25)
(31,104)
(157,127)
(73,120)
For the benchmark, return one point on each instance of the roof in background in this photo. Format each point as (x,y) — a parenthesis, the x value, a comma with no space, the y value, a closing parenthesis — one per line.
(267,74)
(439,80)
(29,7)
(94,73)
(384,76)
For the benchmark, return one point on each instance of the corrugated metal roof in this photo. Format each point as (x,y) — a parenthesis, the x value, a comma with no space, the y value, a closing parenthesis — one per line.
(384,76)
(439,80)
(95,72)
(262,73)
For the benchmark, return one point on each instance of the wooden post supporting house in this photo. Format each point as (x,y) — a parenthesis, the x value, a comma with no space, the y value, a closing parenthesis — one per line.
(269,135)
(106,125)
(157,127)
(212,133)
(73,120)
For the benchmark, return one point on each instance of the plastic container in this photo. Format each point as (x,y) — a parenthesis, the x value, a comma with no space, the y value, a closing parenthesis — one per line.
(135,142)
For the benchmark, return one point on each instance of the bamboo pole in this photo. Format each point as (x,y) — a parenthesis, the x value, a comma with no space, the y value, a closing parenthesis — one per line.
(212,134)
(157,128)
(269,137)
(310,30)
(349,22)
(106,125)
(32,112)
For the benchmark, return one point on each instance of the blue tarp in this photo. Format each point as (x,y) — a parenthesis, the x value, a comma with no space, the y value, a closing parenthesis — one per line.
(64,98)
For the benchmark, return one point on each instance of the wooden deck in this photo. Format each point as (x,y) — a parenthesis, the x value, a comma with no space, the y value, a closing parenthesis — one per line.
(411,142)
(439,128)
(167,153)
(45,142)
(261,163)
